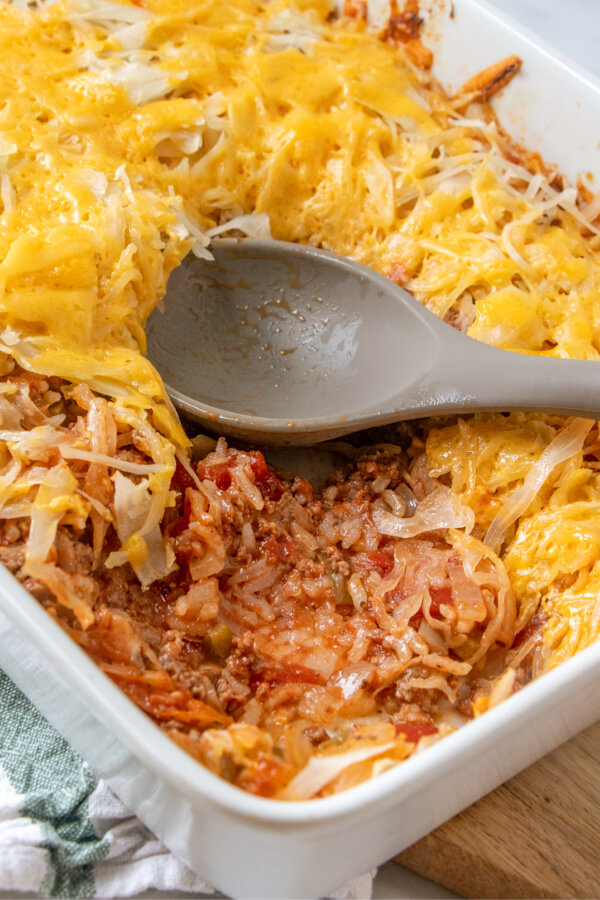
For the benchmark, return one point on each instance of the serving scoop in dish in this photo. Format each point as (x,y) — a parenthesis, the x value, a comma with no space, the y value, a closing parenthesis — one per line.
(286,344)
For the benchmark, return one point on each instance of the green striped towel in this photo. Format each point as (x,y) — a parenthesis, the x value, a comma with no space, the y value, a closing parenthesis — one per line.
(63,833)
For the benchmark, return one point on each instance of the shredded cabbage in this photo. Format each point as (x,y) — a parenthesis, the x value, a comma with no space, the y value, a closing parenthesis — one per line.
(567,444)
(439,509)
(141,539)
(255,225)
(321,770)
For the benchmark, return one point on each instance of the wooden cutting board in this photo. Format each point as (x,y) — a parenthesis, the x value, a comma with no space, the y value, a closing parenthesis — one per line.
(538,835)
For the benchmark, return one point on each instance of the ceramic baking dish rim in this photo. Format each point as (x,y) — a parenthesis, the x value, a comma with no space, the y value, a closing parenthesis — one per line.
(537,43)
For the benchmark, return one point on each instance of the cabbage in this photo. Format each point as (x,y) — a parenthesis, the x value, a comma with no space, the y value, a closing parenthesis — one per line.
(68,451)
(199,237)
(141,546)
(7,149)
(179,142)
(107,14)
(254,225)
(35,443)
(96,181)
(132,37)
(30,5)
(50,505)
(439,509)
(380,185)
(7,194)
(320,770)
(291,30)
(565,445)
(142,83)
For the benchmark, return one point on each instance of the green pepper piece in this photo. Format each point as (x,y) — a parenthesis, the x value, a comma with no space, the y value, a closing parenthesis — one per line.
(340,589)
(219,640)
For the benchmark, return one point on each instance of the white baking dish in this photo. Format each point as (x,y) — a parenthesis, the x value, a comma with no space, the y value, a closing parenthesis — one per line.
(250,847)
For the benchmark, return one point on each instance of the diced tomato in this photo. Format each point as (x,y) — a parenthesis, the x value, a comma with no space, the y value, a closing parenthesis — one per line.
(439,597)
(397,273)
(259,465)
(356,9)
(282,673)
(271,548)
(177,527)
(223,480)
(279,549)
(219,474)
(375,559)
(177,519)
(263,776)
(268,483)
(414,731)
(397,595)
(181,479)
(530,629)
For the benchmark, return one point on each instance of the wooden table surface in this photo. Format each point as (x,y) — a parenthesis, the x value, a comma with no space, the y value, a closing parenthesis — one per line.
(538,835)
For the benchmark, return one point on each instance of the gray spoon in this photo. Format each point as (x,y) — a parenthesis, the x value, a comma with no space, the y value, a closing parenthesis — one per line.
(284,344)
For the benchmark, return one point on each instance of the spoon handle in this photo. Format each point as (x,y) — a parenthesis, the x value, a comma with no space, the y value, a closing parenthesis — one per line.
(471,376)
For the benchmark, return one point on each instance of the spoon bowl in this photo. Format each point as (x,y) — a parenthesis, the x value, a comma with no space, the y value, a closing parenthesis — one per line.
(286,344)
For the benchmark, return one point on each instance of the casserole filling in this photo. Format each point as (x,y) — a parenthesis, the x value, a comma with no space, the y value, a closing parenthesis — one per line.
(295,641)
(303,641)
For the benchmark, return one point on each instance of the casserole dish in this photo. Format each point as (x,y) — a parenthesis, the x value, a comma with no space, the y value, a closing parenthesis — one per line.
(293,832)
